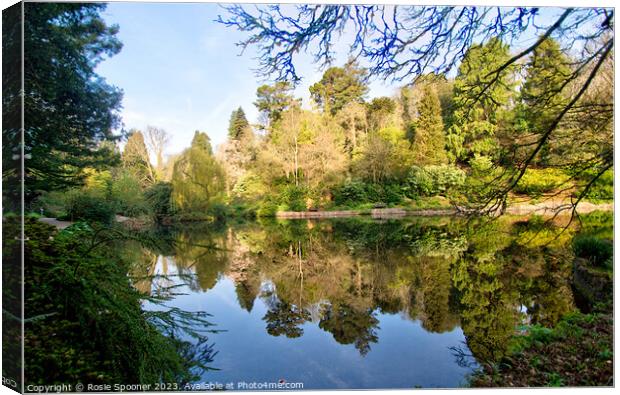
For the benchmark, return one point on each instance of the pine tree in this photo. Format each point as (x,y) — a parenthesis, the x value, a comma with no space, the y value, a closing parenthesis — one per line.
(273,100)
(339,86)
(428,137)
(542,96)
(238,124)
(478,107)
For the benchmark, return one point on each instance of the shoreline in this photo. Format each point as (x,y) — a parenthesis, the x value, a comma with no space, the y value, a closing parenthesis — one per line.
(547,208)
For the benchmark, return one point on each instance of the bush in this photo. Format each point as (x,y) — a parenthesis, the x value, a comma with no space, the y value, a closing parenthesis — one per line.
(293,198)
(219,211)
(159,199)
(126,192)
(596,250)
(434,180)
(267,208)
(357,193)
(535,182)
(350,193)
(91,208)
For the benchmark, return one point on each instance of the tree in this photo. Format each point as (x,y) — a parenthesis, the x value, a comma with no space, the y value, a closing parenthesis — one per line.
(156,140)
(478,110)
(427,130)
(381,113)
(273,100)
(353,119)
(239,151)
(339,86)
(68,108)
(384,155)
(136,158)
(413,40)
(542,95)
(197,179)
(238,125)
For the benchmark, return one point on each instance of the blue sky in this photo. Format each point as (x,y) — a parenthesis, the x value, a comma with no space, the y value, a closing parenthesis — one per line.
(180,70)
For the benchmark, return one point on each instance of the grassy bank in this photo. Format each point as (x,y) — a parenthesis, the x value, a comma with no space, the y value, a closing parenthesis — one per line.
(577,352)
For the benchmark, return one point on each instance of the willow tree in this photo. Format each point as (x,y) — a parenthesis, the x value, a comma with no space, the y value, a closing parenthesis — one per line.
(197,178)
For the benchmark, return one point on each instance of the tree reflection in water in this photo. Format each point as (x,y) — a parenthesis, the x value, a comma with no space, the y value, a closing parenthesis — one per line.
(340,274)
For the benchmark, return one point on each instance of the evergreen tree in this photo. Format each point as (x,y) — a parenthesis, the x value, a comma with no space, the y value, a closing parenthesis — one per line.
(339,86)
(479,103)
(428,134)
(135,158)
(69,109)
(272,100)
(238,125)
(542,96)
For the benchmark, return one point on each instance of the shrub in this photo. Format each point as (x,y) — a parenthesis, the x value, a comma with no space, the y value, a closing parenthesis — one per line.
(293,198)
(596,250)
(126,192)
(350,193)
(159,199)
(267,208)
(434,180)
(219,211)
(91,208)
(535,182)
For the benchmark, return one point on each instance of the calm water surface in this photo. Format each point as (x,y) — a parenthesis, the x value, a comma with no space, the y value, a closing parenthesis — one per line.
(357,303)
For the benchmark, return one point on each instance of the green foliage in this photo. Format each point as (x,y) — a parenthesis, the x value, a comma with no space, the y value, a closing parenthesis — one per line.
(159,198)
(127,194)
(69,109)
(603,187)
(197,179)
(478,115)
(434,180)
(88,207)
(357,194)
(268,207)
(350,193)
(427,130)
(293,198)
(273,100)
(339,86)
(86,319)
(238,124)
(542,96)
(598,252)
(536,182)
(136,159)
(597,223)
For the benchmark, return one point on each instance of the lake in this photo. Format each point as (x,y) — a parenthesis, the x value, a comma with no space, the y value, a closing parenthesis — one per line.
(358,303)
